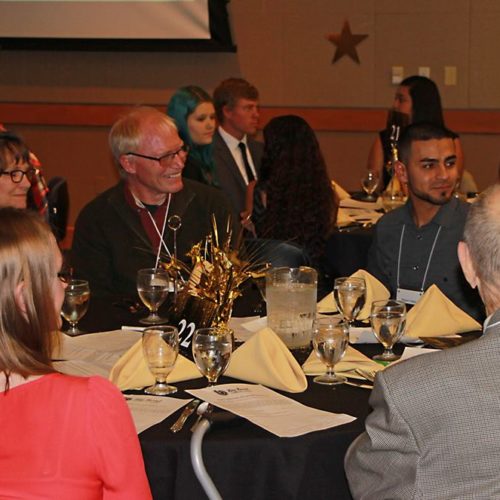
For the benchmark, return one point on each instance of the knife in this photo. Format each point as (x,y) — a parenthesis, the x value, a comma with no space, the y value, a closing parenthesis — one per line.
(188,410)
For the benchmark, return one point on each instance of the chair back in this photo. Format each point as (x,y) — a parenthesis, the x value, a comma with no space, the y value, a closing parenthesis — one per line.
(58,199)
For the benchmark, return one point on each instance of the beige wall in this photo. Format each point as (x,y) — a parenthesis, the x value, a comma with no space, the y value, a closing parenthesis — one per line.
(283,50)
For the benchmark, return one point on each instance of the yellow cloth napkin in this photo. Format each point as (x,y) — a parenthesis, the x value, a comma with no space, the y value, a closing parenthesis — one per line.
(375,290)
(435,315)
(341,192)
(132,372)
(327,304)
(352,359)
(265,359)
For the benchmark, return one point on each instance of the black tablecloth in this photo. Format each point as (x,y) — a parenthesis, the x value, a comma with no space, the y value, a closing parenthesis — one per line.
(245,461)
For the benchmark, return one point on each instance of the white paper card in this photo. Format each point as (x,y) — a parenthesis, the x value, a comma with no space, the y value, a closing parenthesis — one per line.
(278,414)
(149,410)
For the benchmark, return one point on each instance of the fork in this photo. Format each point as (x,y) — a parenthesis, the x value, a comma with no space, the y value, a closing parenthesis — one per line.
(188,410)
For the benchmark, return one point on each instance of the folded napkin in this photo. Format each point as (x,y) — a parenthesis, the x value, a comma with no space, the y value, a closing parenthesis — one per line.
(344,218)
(375,290)
(265,359)
(327,304)
(351,361)
(131,370)
(341,192)
(435,315)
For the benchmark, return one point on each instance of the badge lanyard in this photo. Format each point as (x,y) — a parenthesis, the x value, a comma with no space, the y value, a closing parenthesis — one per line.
(162,241)
(428,261)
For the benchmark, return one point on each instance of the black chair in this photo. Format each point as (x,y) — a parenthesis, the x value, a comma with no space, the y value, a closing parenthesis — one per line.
(58,200)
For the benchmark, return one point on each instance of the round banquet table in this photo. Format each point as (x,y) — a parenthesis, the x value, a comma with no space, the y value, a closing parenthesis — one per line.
(244,460)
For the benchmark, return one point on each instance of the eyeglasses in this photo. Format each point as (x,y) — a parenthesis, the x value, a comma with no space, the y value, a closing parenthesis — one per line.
(165,160)
(17,175)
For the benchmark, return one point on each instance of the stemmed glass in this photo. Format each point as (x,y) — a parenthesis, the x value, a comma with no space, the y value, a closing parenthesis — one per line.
(350,295)
(212,348)
(388,320)
(76,304)
(369,183)
(330,339)
(152,286)
(160,345)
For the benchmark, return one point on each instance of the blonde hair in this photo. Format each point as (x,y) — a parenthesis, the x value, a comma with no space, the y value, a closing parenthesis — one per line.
(128,131)
(27,259)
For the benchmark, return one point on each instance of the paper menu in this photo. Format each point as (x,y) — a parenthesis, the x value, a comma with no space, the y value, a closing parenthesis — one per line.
(264,407)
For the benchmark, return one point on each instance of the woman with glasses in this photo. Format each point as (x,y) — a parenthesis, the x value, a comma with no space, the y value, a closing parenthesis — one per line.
(62,436)
(16,172)
(194,114)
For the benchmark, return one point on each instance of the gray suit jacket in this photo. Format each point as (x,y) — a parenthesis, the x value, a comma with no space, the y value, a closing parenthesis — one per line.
(435,427)
(228,173)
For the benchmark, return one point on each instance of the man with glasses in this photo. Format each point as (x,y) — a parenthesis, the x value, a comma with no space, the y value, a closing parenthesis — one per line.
(237,156)
(128,226)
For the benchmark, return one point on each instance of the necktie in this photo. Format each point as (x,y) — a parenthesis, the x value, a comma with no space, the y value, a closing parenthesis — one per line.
(248,168)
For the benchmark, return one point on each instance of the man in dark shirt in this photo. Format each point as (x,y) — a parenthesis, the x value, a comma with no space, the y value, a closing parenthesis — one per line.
(125,228)
(415,246)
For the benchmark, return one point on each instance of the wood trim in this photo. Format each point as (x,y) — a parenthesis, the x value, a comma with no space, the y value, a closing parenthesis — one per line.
(321,119)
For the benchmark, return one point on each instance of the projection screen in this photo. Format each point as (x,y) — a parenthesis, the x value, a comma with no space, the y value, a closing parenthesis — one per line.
(115,24)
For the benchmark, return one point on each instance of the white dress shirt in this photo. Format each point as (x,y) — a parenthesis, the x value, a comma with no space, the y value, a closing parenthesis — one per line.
(232,144)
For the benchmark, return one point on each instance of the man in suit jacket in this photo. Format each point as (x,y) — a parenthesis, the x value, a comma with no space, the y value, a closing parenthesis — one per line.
(236,105)
(435,427)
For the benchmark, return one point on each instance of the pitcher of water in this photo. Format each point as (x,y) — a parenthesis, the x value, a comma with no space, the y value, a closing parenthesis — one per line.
(291,295)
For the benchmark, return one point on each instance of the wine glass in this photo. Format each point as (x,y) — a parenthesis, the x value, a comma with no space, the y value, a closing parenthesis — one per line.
(392,200)
(369,183)
(212,348)
(152,286)
(160,345)
(388,320)
(350,295)
(75,305)
(330,339)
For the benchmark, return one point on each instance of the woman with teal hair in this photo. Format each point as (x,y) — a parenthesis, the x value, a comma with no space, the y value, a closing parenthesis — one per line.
(193,111)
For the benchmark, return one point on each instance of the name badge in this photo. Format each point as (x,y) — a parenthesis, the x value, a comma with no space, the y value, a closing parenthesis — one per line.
(408,296)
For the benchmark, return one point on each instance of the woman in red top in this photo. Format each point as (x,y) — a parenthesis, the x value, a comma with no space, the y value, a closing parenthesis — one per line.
(62,436)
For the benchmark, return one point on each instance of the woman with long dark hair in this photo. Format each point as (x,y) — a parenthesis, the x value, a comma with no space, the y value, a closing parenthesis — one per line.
(293,199)
(417,98)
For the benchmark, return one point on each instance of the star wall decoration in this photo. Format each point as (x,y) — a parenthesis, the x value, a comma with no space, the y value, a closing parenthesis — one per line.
(346,43)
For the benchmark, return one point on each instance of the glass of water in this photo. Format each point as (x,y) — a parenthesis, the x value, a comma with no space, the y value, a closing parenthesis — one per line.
(152,287)
(160,345)
(212,348)
(349,294)
(291,295)
(330,339)
(388,320)
(76,304)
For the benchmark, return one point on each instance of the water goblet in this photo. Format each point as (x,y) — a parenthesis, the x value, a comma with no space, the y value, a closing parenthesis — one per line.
(212,348)
(388,320)
(75,305)
(369,183)
(152,287)
(349,294)
(330,339)
(160,345)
